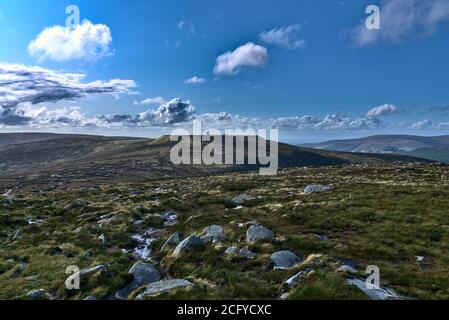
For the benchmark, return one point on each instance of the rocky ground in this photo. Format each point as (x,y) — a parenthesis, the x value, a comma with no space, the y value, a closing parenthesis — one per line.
(307,233)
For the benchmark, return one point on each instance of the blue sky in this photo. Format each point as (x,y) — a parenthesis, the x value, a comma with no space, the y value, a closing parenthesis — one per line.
(311,64)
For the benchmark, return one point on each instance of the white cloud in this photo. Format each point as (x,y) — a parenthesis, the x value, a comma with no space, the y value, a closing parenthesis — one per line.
(401,19)
(247,55)
(86,41)
(173,112)
(151,101)
(24,86)
(287,37)
(382,110)
(195,80)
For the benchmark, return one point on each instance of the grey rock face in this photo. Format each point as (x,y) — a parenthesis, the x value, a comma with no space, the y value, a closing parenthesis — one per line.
(144,274)
(187,244)
(245,252)
(315,188)
(174,239)
(241,199)
(259,233)
(163,286)
(214,234)
(284,260)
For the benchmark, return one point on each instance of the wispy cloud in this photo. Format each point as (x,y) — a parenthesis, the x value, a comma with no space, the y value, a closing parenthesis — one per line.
(401,19)
(151,101)
(247,55)
(186,26)
(86,41)
(287,37)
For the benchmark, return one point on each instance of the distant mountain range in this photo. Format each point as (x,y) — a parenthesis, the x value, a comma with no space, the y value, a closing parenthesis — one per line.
(83,157)
(433,148)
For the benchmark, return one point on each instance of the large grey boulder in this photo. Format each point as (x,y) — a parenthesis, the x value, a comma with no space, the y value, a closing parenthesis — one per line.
(241,199)
(144,274)
(163,286)
(316,188)
(190,243)
(174,239)
(259,233)
(214,234)
(284,260)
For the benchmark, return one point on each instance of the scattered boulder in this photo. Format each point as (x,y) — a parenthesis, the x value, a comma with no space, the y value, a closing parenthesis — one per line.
(232,250)
(291,282)
(163,286)
(284,260)
(144,274)
(347,269)
(241,199)
(259,233)
(214,234)
(316,188)
(188,244)
(169,216)
(39,294)
(374,292)
(174,239)
(246,253)
(77,204)
(90,271)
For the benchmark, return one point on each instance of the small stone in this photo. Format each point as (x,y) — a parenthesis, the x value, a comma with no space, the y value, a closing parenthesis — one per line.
(316,188)
(39,294)
(347,269)
(169,216)
(90,298)
(245,252)
(284,260)
(188,244)
(259,233)
(174,239)
(163,286)
(241,199)
(291,282)
(232,250)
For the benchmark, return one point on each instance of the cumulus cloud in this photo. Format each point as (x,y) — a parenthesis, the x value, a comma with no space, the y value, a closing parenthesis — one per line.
(247,55)
(24,86)
(402,18)
(382,110)
(195,80)
(87,41)
(287,37)
(173,112)
(151,101)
